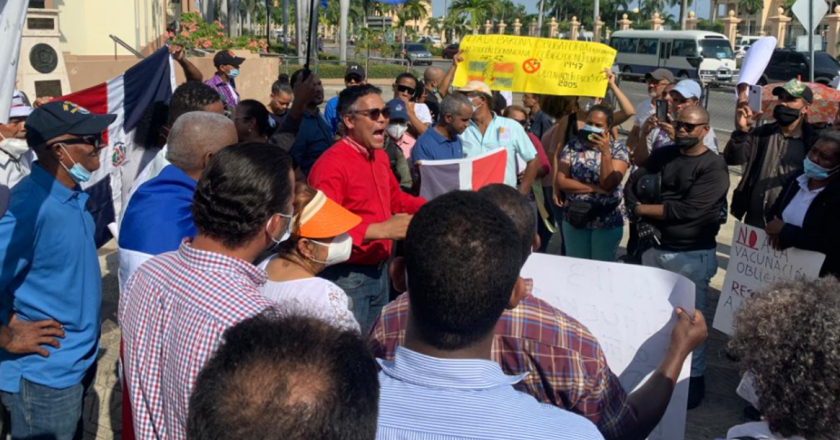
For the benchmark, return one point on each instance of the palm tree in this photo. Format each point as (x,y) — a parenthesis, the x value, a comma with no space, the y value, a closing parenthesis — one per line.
(434,25)
(477,10)
(455,25)
(750,7)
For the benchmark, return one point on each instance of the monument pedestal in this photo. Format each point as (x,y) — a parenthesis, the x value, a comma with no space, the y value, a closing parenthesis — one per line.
(42,71)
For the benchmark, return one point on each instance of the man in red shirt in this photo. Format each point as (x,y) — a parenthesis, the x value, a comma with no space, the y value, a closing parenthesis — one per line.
(356,173)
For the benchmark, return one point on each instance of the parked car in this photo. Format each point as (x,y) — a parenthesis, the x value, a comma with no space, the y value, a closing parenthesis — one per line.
(450,51)
(786,64)
(418,54)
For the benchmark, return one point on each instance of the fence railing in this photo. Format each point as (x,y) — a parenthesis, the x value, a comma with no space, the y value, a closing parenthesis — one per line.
(119,41)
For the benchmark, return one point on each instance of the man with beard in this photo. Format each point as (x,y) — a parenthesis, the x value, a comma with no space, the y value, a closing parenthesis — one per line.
(305,133)
(770,154)
(694,184)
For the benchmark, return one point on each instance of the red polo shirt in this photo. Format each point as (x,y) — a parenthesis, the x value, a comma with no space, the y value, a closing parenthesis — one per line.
(363,183)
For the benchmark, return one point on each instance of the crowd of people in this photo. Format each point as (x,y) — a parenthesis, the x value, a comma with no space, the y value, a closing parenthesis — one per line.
(281,277)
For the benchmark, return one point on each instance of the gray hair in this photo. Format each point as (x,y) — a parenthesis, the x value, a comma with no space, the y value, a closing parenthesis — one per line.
(194,135)
(452,104)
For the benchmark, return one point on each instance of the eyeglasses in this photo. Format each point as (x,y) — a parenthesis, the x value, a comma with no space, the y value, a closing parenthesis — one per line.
(405,89)
(688,127)
(523,123)
(373,113)
(94,141)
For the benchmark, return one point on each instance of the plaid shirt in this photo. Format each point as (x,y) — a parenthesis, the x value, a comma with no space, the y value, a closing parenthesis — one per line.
(572,372)
(173,313)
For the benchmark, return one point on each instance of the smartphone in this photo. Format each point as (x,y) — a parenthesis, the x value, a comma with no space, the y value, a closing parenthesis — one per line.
(755,98)
(662,110)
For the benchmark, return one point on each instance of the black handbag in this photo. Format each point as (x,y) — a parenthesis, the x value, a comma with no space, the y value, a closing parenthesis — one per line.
(578,213)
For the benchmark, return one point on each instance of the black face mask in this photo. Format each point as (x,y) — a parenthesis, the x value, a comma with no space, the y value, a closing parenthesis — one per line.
(785,116)
(685,142)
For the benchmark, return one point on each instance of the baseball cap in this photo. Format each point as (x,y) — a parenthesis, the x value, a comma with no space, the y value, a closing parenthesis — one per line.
(324,218)
(58,118)
(20,109)
(4,199)
(397,109)
(797,89)
(227,57)
(688,88)
(477,86)
(659,75)
(355,69)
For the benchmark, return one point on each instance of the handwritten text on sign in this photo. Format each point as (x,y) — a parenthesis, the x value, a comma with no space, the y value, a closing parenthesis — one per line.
(630,309)
(535,65)
(754,265)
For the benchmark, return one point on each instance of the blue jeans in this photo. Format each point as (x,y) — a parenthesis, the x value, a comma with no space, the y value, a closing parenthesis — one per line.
(366,286)
(43,413)
(697,266)
(600,244)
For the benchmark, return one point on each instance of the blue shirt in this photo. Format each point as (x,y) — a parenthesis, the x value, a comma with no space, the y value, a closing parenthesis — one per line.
(50,270)
(313,137)
(501,133)
(423,397)
(331,114)
(431,145)
(157,219)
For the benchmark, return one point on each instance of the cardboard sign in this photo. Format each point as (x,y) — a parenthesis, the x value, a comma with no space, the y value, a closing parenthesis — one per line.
(754,265)
(630,309)
(535,65)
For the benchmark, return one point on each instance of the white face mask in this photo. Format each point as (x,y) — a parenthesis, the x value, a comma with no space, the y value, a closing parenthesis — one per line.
(339,250)
(13,147)
(746,389)
(287,233)
(396,131)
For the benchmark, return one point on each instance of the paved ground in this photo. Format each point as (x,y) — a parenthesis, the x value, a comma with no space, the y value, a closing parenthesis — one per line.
(721,409)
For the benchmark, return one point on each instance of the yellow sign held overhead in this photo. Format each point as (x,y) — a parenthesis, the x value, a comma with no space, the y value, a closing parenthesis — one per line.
(535,65)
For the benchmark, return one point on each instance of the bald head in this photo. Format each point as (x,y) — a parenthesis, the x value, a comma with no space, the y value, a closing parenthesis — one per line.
(694,114)
(197,135)
(432,75)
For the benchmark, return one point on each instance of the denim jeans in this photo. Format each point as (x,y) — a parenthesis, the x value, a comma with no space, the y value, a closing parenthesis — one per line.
(43,413)
(697,266)
(598,244)
(366,286)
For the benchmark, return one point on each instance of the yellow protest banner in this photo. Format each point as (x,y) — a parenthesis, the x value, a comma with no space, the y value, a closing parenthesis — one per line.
(546,66)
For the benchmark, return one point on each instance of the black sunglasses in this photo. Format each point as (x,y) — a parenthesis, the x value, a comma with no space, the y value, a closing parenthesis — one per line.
(687,126)
(94,141)
(405,89)
(374,113)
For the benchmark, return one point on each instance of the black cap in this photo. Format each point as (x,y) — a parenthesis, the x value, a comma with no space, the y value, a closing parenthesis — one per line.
(4,199)
(354,69)
(58,118)
(227,57)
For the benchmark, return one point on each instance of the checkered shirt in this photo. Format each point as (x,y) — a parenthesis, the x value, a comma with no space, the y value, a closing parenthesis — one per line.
(173,313)
(571,370)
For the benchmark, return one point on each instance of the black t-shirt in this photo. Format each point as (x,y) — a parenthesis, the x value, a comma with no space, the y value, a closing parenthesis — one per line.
(693,191)
(434,105)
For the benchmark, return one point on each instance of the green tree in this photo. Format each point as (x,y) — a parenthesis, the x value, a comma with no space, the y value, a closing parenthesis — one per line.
(750,7)
(434,25)
(476,9)
(414,10)
(455,26)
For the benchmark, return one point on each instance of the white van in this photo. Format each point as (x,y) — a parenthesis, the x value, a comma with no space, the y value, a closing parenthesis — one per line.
(645,51)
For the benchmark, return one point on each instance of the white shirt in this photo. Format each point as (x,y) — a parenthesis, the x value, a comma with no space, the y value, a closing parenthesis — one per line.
(794,213)
(11,170)
(758,430)
(314,296)
(643,111)
(151,170)
(423,113)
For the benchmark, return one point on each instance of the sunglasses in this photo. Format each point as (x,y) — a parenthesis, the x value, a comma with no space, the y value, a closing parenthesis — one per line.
(95,141)
(688,127)
(405,89)
(374,113)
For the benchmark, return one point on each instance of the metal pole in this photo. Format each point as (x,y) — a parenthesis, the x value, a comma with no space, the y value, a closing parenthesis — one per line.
(267,21)
(811,26)
(313,33)
(300,13)
(286,26)
(540,19)
(344,11)
(596,6)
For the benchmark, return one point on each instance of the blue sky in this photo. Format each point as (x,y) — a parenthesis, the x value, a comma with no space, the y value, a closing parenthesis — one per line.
(701,7)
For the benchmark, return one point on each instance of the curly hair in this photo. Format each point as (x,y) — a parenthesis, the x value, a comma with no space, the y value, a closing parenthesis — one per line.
(788,337)
(191,96)
(241,188)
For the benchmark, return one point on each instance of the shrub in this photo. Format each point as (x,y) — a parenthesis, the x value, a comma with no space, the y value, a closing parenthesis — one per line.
(196,33)
(336,71)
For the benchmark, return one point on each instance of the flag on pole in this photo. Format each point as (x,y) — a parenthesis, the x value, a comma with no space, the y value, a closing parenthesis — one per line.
(12,18)
(127,96)
(438,177)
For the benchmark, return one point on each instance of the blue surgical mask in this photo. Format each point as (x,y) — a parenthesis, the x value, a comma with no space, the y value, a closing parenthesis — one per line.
(816,172)
(287,233)
(78,173)
(233,73)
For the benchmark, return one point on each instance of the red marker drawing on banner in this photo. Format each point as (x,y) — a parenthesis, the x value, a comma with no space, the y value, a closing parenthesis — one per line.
(531,65)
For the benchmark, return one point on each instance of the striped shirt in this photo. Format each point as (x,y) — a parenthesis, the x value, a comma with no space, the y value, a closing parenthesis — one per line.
(423,397)
(568,368)
(173,313)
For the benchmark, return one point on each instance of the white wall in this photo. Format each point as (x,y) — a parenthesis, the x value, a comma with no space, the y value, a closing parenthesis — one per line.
(86,24)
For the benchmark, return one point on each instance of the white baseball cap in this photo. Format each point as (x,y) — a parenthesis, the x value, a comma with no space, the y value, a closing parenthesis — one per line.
(19,107)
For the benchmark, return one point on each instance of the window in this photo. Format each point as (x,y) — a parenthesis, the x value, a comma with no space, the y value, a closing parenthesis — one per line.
(825,61)
(37,4)
(778,58)
(684,48)
(628,45)
(796,60)
(716,48)
(647,46)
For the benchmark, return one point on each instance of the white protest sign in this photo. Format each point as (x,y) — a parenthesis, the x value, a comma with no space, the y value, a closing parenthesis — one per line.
(754,265)
(630,309)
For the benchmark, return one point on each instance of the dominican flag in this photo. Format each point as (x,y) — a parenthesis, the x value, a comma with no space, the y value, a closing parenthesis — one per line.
(127,96)
(438,177)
